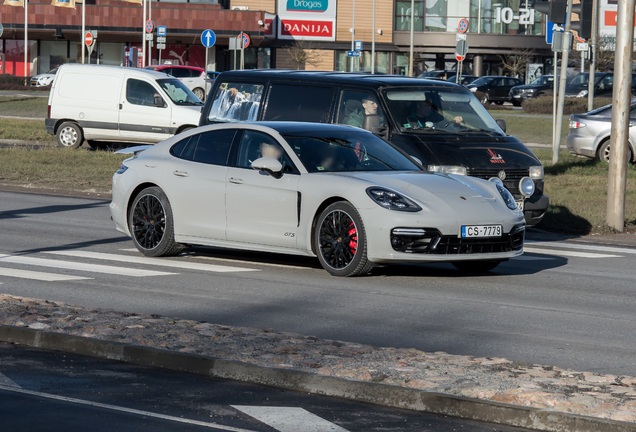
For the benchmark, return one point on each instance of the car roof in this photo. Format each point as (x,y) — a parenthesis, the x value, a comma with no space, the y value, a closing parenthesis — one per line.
(288,127)
(330,77)
(176,66)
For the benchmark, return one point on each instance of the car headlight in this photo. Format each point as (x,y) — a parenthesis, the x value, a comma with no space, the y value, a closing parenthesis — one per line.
(473,89)
(526,186)
(505,194)
(582,93)
(392,200)
(448,169)
(536,172)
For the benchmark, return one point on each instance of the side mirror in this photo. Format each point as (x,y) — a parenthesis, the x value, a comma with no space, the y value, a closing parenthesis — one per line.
(502,124)
(159,101)
(270,166)
(372,124)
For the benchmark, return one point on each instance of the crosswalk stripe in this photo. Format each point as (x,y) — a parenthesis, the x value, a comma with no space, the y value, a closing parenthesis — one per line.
(68,265)
(41,276)
(289,419)
(567,253)
(157,262)
(6,381)
(588,247)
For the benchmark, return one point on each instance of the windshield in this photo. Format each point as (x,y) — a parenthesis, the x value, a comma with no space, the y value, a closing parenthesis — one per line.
(347,151)
(178,92)
(439,110)
(482,81)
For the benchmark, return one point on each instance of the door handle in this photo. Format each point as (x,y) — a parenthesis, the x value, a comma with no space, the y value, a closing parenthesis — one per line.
(180,173)
(236,180)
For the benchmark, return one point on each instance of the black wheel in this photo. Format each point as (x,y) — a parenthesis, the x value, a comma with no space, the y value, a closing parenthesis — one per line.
(485,99)
(499,103)
(69,135)
(516,103)
(476,266)
(604,152)
(198,92)
(340,239)
(151,224)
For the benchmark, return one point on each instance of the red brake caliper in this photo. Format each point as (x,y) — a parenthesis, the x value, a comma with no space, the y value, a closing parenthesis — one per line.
(353,242)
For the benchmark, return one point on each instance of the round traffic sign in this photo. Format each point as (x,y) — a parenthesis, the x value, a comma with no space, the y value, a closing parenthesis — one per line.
(246,40)
(460,57)
(462,27)
(208,38)
(1,29)
(88,39)
(150,26)
(462,47)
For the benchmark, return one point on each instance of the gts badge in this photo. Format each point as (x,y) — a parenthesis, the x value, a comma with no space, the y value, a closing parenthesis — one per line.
(290,234)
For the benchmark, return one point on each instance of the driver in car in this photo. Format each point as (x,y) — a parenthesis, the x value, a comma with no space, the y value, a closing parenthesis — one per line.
(423,115)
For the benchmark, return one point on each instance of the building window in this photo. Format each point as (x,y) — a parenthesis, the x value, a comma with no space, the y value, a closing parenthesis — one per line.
(403,15)
(436,15)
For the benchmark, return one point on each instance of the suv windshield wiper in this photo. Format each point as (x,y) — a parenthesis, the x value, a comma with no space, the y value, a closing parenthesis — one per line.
(479,130)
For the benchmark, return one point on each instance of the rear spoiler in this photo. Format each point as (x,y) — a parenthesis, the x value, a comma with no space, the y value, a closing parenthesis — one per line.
(134,150)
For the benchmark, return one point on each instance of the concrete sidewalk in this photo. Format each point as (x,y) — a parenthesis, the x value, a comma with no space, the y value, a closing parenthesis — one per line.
(486,389)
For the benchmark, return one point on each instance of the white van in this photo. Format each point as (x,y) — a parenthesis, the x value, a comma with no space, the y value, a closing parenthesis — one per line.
(103,104)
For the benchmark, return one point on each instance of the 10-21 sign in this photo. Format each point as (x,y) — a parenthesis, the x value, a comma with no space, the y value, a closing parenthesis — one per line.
(506,15)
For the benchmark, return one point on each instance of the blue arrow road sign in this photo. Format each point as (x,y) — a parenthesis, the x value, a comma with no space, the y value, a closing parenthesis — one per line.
(549,32)
(208,38)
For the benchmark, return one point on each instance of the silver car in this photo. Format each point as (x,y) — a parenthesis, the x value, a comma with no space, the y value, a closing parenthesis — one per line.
(335,192)
(590,133)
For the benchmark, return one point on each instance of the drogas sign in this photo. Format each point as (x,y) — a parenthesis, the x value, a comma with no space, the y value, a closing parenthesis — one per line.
(307,5)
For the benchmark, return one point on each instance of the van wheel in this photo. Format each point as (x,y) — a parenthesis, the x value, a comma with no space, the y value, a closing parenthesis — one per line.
(69,135)
(198,92)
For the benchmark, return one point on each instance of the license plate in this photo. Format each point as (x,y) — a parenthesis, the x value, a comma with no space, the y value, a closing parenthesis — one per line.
(520,204)
(477,231)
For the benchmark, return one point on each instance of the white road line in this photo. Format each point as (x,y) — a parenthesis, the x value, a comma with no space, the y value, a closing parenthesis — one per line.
(7,382)
(289,419)
(579,246)
(123,409)
(68,265)
(157,262)
(41,276)
(566,253)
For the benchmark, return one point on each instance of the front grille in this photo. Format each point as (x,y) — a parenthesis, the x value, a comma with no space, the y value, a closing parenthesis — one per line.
(431,242)
(512,176)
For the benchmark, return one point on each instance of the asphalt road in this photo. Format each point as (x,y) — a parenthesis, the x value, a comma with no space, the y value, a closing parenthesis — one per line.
(562,304)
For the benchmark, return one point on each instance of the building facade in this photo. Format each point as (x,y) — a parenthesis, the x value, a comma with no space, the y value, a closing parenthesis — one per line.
(297,34)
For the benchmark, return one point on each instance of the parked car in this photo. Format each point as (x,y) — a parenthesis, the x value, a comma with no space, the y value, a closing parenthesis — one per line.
(438,74)
(194,78)
(493,88)
(340,193)
(603,85)
(42,80)
(590,133)
(104,104)
(464,80)
(476,146)
(540,86)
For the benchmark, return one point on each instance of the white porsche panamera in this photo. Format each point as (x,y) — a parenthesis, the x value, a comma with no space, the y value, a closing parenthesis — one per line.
(336,192)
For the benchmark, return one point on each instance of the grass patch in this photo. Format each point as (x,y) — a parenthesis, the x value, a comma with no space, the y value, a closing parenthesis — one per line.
(531,128)
(24,130)
(79,169)
(24,106)
(577,188)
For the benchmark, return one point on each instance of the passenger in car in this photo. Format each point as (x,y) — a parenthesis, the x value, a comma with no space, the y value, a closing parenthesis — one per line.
(271,150)
(369,108)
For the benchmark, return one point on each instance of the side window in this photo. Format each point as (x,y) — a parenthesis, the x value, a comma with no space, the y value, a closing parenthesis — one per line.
(140,92)
(185,148)
(211,147)
(298,103)
(356,107)
(236,102)
(255,145)
(180,72)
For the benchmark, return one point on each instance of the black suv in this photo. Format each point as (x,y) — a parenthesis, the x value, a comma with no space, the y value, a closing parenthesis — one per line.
(493,88)
(542,85)
(439,123)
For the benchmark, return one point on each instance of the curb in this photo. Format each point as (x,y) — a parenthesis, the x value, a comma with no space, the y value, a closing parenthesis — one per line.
(374,393)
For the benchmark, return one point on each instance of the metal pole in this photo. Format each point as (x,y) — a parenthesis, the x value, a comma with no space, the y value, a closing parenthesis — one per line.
(620,116)
(143,37)
(554,98)
(373,41)
(149,43)
(82,40)
(562,81)
(590,83)
(353,30)
(26,42)
(411,44)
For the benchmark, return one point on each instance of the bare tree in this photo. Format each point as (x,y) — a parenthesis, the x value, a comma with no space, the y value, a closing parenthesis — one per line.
(516,62)
(301,54)
(605,53)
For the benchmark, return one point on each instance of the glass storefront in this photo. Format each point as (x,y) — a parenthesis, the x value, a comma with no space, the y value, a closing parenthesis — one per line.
(345,63)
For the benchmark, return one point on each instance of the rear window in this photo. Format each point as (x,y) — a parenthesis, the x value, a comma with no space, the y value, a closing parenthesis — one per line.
(234,102)
(299,103)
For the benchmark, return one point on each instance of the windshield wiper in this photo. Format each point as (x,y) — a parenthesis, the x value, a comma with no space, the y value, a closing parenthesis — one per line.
(479,130)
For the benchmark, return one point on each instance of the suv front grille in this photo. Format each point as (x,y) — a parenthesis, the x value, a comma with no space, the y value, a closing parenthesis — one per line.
(511,181)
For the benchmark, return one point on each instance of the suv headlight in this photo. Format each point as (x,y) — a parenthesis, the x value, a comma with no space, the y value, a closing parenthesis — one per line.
(448,169)
(392,200)
(536,172)
(505,194)
(582,93)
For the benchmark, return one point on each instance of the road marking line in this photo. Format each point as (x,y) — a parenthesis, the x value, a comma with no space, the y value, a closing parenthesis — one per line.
(565,253)
(68,265)
(7,382)
(289,419)
(41,276)
(122,409)
(158,262)
(629,251)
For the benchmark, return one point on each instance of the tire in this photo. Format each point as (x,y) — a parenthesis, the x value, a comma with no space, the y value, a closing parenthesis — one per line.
(341,243)
(485,99)
(198,92)
(476,266)
(499,103)
(69,135)
(604,152)
(516,103)
(151,224)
